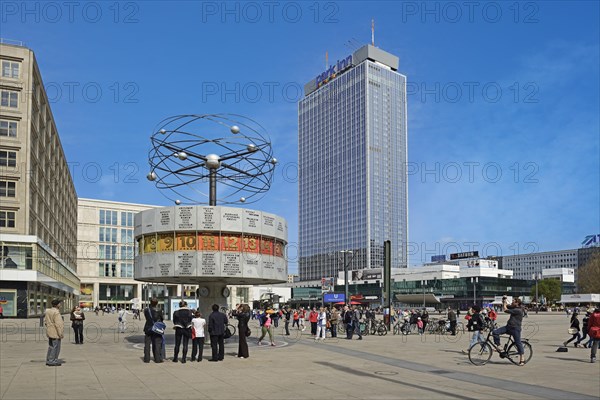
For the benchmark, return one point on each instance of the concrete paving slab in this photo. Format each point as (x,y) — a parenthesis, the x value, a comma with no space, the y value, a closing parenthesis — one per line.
(109,366)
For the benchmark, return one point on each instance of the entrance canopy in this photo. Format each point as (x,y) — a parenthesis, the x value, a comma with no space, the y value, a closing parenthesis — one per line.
(429,298)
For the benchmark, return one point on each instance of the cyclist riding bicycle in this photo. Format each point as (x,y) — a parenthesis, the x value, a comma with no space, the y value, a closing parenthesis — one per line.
(513,327)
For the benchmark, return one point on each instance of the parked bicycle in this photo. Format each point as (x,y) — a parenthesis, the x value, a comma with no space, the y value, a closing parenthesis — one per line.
(480,353)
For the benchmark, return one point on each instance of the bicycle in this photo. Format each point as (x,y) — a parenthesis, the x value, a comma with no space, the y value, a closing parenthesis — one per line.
(378,327)
(231,329)
(480,353)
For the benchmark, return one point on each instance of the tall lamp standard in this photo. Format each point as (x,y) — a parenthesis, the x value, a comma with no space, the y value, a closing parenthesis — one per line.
(536,276)
(474,280)
(423,284)
(346,274)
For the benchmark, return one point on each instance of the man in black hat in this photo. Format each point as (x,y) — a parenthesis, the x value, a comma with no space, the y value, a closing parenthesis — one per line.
(55,329)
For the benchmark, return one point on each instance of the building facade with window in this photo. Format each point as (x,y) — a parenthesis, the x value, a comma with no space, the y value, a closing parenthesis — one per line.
(105,254)
(38,202)
(352,155)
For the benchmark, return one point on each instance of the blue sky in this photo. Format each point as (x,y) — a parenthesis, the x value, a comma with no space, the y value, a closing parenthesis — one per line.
(503,101)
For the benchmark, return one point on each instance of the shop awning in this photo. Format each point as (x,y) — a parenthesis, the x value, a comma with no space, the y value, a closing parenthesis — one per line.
(429,298)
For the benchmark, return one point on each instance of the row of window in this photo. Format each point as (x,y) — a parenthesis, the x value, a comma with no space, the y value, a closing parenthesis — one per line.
(110,217)
(7,189)
(111,270)
(7,219)
(9,98)
(109,252)
(8,128)
(10,69)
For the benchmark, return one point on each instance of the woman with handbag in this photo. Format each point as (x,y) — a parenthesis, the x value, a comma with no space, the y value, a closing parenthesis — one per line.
(152,338)
(242,313)
(574,330)
(77,317)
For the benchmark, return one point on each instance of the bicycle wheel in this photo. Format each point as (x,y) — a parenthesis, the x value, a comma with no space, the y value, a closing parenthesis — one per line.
(480,353)
(363,328)
(231,329)
(512,353)
(382,330)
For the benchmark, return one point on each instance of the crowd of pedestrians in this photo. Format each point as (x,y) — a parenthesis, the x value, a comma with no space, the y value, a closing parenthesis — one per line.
(190,324)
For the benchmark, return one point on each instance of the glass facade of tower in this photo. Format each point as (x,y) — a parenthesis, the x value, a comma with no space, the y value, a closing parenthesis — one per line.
(352,175)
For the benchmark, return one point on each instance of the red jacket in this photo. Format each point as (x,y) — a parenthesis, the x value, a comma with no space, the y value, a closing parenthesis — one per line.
(594,325)
(313,316)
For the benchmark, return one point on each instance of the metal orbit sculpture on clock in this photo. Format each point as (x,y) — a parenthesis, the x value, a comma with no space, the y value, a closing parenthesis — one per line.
(190,150)
(195,241)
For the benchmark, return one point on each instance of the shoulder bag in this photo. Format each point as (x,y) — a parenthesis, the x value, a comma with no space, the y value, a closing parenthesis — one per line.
(158,327)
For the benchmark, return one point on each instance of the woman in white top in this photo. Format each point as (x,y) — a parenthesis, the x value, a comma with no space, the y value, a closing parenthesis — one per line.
(321,324)
(198,324)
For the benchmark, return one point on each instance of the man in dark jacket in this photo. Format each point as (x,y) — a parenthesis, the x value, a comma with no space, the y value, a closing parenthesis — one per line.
(182,322)
(513,327)
(152,315)
(452,319)
(216,329)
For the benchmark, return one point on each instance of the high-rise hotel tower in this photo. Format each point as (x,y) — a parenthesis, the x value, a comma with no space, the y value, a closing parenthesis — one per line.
(352,155)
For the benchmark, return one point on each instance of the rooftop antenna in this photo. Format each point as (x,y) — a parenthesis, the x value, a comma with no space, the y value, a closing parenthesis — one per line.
(372,32)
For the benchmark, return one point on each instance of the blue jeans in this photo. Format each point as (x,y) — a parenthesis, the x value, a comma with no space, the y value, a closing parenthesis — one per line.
(477,338)
(53,351)
(515,333)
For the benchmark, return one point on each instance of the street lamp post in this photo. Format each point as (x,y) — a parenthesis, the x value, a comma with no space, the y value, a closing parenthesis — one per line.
(537,299)
(346,275)
(474,280)
(423,284)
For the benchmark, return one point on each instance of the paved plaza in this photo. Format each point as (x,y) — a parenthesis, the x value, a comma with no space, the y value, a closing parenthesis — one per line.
(109,366)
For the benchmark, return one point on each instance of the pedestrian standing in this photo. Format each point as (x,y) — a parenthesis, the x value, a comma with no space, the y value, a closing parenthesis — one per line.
(333,320)
(55,329)
(216,329)
(356,322)
(287,315)
(321,324)
(242,313)
(77,318)
(348,322)
(198,336)
(476,325)
(182,323)
(452,319)
(313,317)
(152,339)
(594,332)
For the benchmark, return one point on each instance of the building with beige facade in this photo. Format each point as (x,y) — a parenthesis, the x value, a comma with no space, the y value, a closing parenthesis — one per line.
(105,253)
(38,202)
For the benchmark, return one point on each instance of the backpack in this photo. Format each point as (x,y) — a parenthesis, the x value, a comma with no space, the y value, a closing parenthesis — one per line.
(594,326)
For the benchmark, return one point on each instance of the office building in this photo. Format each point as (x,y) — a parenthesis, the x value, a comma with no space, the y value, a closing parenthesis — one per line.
(38,202)
(352,157)
(105,254)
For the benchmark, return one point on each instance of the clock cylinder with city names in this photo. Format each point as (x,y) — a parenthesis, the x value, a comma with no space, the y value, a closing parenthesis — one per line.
(195,244)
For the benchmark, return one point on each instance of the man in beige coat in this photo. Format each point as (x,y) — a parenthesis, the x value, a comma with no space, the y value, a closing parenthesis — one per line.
(55,329)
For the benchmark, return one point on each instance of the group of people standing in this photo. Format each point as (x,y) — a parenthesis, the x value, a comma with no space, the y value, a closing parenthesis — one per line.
(188,325)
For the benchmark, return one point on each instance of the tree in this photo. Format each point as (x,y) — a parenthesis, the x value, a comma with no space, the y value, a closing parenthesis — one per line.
(549,289)
(588,276)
